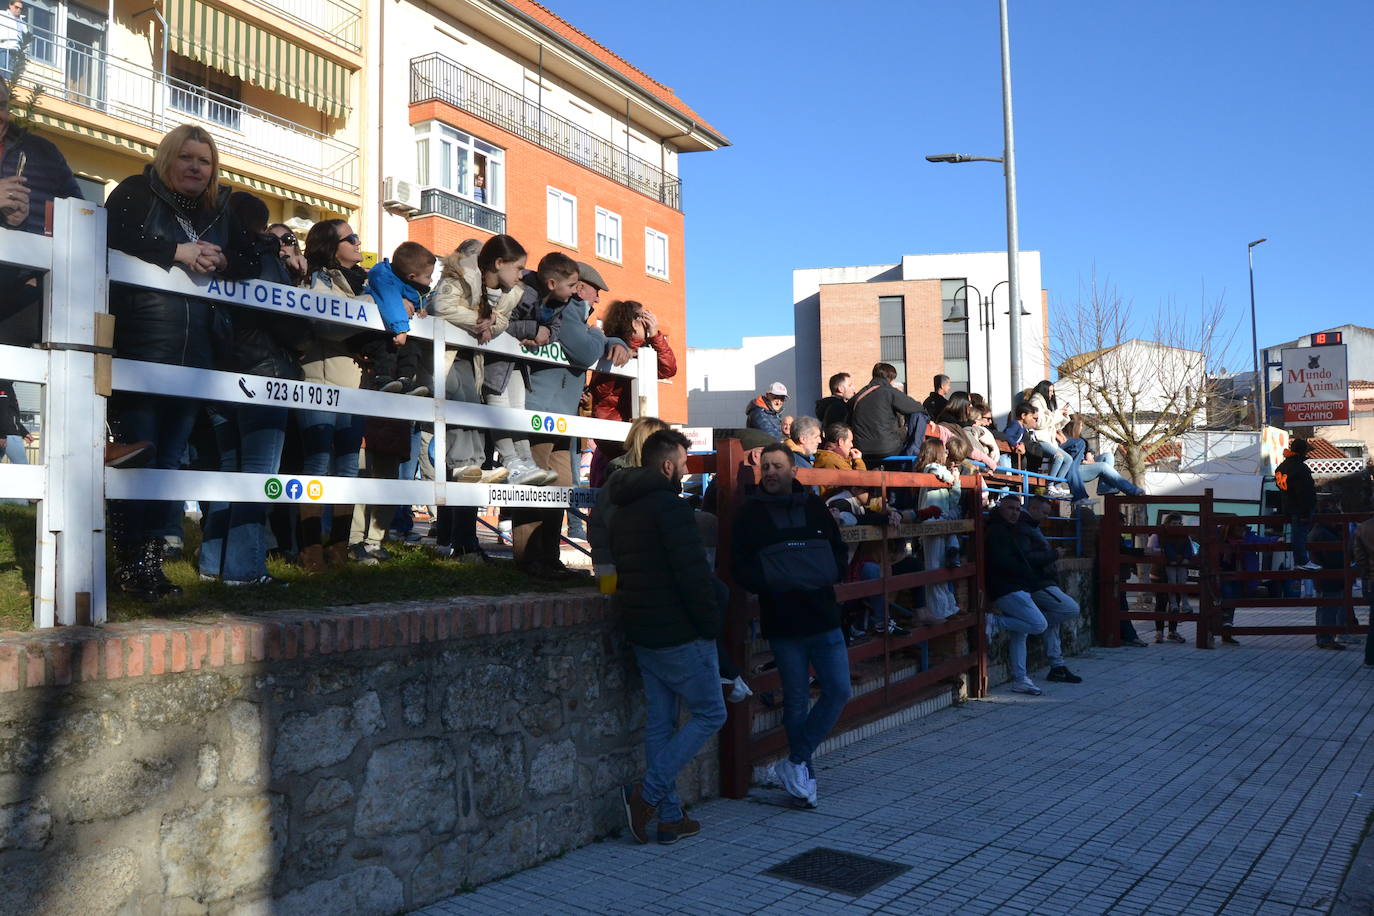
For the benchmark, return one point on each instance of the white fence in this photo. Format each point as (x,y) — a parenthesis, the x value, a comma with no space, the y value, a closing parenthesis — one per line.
(72,484)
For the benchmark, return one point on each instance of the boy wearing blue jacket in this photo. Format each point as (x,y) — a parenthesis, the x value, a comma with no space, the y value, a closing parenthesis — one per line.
(399,287)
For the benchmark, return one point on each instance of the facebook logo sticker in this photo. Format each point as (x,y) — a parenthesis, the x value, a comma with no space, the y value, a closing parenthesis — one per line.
(548,424)
(294,489)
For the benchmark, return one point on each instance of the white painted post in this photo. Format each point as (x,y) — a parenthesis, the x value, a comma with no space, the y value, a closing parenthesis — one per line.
(72,554)
(646,382)
(440,429)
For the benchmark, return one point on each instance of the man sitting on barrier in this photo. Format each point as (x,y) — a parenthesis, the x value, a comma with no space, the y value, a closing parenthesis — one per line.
(1294,480)
(1057,607)
(1011,582)
(667,596)
(787,550)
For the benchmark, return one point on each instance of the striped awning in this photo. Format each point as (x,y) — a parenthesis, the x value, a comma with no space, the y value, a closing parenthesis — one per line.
(233,176)
(218,40)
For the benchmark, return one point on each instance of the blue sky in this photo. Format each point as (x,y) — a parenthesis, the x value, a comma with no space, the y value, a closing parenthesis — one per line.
(1154,140)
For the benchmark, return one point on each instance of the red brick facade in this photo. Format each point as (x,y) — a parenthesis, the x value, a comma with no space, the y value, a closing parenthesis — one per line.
(849,330)
(529,171)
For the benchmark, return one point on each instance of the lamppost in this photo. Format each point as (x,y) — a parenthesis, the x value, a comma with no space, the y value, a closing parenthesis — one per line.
(1261,396)
(1008,160)
(987,322)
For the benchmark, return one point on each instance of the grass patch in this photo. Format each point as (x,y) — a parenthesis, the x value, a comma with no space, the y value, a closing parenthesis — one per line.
(18,539)
(413,573)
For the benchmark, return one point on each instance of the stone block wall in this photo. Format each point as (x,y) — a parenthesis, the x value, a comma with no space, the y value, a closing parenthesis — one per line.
(362,762)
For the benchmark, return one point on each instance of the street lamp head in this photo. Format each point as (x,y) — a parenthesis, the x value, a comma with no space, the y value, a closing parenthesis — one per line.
(957,312)
(944,157)
(1256,242)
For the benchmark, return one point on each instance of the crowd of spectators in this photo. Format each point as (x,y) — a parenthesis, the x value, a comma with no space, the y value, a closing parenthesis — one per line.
(177,213)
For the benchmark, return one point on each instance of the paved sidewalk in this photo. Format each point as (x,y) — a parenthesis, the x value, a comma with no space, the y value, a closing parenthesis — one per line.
(1173,780)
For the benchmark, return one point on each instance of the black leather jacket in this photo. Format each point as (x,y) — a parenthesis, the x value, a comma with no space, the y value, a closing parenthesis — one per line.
(268,343)
(159,326)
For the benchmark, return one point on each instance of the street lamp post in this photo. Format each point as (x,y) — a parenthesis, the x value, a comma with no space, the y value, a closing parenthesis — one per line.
(987,323)
(1261,397)
(1008,160)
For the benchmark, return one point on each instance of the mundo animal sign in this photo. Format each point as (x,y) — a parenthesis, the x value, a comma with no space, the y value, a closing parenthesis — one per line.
(1316,387)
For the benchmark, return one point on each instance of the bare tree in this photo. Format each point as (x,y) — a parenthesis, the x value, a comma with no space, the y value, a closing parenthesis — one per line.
(1138,384)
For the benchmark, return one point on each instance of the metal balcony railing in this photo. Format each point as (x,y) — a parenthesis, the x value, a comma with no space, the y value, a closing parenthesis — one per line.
(340,22)
(86,76)
(436,201)
(434,77)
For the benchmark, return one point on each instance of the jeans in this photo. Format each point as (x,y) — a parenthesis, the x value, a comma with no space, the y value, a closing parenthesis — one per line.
(1058,458)
(1301,527)
(1020,618)
(1057,608)
(1108,480)
(463,447)
(1330,615)
(14,450)
(330,443)
(167,423)
(235,543)
(826,652)
(690,673)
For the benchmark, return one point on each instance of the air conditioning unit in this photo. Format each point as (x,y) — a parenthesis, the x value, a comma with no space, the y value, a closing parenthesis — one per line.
(400,196)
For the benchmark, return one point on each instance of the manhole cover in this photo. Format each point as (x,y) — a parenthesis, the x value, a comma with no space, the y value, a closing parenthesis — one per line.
(832,870)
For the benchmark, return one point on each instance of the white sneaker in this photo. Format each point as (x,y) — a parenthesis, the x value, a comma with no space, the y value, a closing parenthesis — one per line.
(739,691)
(495,475)
(794,778)
(1058,492)
(550,477)
(1027,686)
(526,475)
(1309,565)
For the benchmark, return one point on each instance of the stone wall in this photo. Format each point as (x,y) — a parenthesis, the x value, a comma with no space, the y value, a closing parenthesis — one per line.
(362,762)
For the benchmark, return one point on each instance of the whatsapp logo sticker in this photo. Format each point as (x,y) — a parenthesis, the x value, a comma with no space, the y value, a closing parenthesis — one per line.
(272,488)
(536,423)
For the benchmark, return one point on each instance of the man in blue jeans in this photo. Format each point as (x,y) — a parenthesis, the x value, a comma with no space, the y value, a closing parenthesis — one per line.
(666,594)
(1011,580)
(787,550)
(1049,598)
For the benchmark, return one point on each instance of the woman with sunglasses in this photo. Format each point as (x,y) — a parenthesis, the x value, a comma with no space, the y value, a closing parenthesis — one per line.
(293,262)
(330,442)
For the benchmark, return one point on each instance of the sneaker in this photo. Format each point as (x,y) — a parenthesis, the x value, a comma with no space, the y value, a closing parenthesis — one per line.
(739,690)
(359,554)
(1309,565)
(638,812)
(526,475)
(1174,637)
(1027,686)
(135,455)
(468,474)
(671,831)
(495,475)
(1331,645)
(260,580)
(443,550)
(1055,491)
(793,777)
(1062,675)
(894,630)
(1137,642)
(389,385)
(1229,641)
(550,478)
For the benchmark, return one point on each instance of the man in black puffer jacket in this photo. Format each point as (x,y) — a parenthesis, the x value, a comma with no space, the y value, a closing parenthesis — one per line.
(787,550)
(667,597)
(878,415)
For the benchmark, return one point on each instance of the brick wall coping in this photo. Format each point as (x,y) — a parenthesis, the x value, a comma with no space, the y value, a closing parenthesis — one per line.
(142,648)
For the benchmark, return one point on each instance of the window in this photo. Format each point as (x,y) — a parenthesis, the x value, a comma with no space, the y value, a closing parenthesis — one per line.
(459,163)
(204,93)
(562,218)
(43,20)
(607,234)
(953,293)
(656,254)
(892,333)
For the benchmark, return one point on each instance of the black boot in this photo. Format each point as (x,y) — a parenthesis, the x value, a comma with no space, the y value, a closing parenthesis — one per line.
(154,582)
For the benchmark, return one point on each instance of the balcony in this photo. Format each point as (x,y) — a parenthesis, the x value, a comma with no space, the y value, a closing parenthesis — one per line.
(85,76)
(436,202)
(434,77)
(341,23)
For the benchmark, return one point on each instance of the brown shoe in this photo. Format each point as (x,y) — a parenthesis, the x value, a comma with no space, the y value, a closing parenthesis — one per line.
(337,554)
(119,455)
(638,812)
(672,831)
(312,558)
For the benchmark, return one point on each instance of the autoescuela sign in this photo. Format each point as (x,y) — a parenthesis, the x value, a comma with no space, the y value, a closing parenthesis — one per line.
(1316,387)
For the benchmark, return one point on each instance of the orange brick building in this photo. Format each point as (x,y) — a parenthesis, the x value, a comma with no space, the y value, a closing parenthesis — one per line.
(575,148)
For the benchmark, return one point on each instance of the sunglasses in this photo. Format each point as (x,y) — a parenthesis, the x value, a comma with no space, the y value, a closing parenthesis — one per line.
(288,239)
(350,239)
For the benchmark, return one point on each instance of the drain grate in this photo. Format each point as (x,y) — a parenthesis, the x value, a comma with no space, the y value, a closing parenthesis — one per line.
(833,870)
